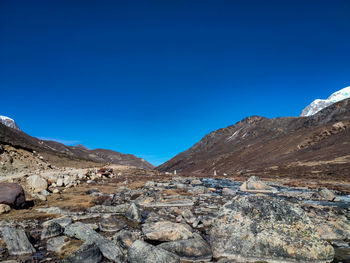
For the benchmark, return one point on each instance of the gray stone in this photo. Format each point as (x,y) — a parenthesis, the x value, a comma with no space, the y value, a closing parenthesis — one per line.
(141,252)
(188,216)
(252,228)
(63,221)
(16,241)
(37,183)
(82,232)
(124,238)
(51,230)
(323,194)
(118,209)
(55,244)
(166,231)
(228,192)
(133,214)
(111,224)
(195,249)
(87,253)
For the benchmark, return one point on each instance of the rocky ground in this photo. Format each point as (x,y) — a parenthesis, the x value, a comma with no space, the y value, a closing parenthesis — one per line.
(124,214)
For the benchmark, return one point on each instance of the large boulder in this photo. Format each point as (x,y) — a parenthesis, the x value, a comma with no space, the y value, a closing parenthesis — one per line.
(83,232)
(166,231)
(141,252)
(269,229)
(323,194)
(12,195)
(255,185)
(87,253)
(17,242)
(37,183)
(194,249)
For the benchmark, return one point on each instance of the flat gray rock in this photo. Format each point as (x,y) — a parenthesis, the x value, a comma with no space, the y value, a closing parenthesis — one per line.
(141,252)
(87,253)
(51,230)
(166,231)
(118,209)
(55,244)
(16,241)
(107,247)
(194,249)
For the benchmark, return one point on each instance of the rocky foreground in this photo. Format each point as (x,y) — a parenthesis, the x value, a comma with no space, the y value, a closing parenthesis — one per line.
(125,215)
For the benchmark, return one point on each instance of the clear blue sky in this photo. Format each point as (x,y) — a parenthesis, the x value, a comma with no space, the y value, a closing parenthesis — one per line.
(151,78)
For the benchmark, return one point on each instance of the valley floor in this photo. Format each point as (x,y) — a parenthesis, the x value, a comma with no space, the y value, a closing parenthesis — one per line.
(125,214)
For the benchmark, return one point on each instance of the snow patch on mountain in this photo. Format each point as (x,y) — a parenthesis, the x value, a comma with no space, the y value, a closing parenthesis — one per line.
(319,104)
(9,122)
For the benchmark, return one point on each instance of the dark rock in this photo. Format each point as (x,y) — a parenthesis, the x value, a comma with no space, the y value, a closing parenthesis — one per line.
(62,221)
(12,195)
(51,230)
(141,252)
(267,228)
(90,191)
(16,241)
(82,232)
(105,171)
(87,253)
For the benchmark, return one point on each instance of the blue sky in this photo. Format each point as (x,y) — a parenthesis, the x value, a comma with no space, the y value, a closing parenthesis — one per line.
(151,78)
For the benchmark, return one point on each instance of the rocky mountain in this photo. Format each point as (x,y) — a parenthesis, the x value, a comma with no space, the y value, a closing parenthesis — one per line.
(9,122)
(316,145)
(318,104)
(59,154)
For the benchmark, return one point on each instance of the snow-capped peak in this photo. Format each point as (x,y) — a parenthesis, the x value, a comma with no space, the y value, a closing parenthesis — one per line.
(319,104)
(9,122)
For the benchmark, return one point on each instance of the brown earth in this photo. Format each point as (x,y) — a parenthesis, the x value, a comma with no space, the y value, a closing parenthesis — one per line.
(315,147)
(61,155)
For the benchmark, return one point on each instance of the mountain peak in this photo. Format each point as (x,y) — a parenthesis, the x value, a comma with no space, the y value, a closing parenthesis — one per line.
(9,122)
(320,104)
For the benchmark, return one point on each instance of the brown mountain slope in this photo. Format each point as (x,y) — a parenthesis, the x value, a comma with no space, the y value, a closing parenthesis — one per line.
(317,145)
(61,155)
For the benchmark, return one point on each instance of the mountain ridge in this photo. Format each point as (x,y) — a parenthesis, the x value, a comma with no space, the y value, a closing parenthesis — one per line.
(51,149)
(258,143)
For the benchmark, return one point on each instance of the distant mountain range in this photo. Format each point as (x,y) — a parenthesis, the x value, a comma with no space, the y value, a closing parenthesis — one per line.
(10,134)
(318,143)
